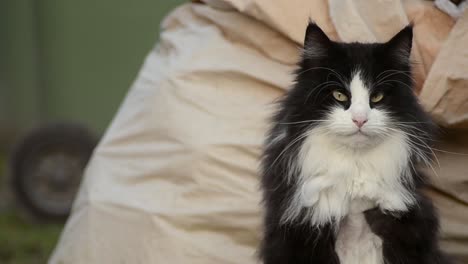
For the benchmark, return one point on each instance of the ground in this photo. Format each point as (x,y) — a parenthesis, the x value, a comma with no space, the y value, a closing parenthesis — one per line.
(23,240)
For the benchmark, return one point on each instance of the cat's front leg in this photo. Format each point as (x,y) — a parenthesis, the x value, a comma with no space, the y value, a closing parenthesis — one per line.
(408,237)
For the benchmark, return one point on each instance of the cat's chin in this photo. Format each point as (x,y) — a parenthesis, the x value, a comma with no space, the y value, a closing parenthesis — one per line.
(358,140)
(359,134)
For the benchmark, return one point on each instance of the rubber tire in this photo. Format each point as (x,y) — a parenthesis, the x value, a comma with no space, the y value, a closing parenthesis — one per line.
(63,136)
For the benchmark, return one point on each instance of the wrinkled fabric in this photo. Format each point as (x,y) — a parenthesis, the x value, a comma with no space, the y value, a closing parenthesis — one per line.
(445,92)
(174,179)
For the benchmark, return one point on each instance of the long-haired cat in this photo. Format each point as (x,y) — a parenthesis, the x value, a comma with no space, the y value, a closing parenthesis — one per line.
(340,168)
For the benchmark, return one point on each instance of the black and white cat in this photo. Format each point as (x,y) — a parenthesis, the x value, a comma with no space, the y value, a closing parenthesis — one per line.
(340,168)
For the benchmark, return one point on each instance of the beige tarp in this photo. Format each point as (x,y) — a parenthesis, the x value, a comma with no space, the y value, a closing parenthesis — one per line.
(174,179)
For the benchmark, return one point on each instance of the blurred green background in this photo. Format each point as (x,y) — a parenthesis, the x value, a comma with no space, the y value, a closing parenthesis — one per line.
(63,60)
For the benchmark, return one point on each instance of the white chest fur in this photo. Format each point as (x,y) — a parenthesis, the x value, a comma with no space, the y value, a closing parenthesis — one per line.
(356,244)
(336,184)
(335,180)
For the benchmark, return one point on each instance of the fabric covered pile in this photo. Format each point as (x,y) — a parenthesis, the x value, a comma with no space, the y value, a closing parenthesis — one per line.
(174,179)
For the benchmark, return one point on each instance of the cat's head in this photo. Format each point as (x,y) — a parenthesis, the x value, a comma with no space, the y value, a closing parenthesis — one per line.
(357,93)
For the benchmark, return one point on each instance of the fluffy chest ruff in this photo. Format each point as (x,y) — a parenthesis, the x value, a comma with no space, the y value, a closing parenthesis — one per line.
(335,180)
(336,184)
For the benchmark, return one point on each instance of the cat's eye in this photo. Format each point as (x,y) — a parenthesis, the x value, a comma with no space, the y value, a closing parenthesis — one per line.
(377,97)
(339,96)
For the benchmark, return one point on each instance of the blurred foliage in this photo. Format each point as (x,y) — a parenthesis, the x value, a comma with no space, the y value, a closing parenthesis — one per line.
(22,242)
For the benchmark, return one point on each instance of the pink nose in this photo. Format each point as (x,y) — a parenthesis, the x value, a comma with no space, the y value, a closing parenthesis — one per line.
(359,121)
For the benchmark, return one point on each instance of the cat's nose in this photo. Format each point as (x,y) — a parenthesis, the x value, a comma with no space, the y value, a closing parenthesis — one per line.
(359,121)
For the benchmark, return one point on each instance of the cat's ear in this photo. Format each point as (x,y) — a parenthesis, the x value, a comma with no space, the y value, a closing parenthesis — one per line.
(400,45)
(316,42)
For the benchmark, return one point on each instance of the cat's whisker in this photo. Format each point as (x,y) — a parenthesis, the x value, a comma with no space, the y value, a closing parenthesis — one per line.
(395,72)
(416,142)
(338,75)
(426,160)
(393,80)
(321,86)
(450,152)
(403,127)
(420,143)
(392,73)
(433,155)
(302,122)
(391,70)
(413,122)
(415,118)
(297,139)
(410,125)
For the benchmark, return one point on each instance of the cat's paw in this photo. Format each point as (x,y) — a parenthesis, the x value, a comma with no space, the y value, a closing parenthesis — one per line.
(310,195)
(389,202)
(310,192)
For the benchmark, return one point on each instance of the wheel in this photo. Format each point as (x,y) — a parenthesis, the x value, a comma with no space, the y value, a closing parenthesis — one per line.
(47,166)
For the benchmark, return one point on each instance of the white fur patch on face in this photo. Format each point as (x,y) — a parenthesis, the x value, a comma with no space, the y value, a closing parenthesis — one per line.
(359,98)
(340,120)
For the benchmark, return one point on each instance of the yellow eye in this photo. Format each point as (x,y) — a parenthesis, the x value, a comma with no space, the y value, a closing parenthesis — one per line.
(377,97)
(339,96)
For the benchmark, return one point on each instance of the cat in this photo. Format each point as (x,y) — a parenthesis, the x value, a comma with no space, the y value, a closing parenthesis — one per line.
(340,169)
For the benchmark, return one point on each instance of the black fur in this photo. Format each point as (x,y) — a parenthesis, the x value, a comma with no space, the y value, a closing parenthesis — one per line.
(409,237)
